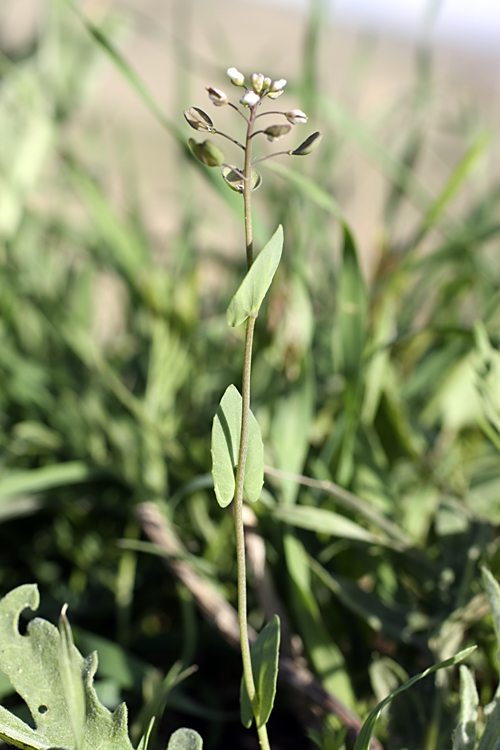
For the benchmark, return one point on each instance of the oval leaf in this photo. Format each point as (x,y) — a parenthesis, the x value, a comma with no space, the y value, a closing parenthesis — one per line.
(232,177)
(185,739)
(254,286)
(226,433)
(265,655)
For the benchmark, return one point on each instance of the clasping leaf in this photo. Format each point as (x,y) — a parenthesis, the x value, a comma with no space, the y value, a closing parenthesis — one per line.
(264,654)
(253,288)
(226,434)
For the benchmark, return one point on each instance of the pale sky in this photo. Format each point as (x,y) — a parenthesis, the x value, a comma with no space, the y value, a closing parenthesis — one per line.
(467,22)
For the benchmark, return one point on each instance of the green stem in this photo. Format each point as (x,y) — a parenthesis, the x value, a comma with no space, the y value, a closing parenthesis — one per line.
(242,457)
(247,190)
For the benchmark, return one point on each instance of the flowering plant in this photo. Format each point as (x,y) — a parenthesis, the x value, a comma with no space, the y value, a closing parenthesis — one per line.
(237,448)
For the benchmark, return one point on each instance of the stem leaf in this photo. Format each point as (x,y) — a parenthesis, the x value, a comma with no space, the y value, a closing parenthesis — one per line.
(364,737)
(226,434)
(253,288)
(265,653)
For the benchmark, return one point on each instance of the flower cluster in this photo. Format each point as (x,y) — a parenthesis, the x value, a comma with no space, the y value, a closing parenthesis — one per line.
(259,88)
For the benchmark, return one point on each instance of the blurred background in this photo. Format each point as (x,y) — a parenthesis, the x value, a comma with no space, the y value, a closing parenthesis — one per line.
(376,359)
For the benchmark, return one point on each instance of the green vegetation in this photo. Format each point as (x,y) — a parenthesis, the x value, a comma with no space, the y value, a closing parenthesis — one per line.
(378,403)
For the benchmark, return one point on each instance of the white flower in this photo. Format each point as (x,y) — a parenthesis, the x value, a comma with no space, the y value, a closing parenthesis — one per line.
(275,94)
(250,99)
(278,85)
(218,97)
(296,116)
(257,80)
(236,77)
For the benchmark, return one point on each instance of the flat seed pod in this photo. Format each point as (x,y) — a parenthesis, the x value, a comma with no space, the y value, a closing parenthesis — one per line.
(198,119)
(307,146)
(233,179)
(207,152)
(275,132)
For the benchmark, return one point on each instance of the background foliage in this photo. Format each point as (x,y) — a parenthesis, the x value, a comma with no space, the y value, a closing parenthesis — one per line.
(115,353)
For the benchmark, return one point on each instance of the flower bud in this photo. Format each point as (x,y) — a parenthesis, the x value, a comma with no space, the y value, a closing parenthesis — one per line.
(275,94)
(237,78)
(207,152)
(296,116)
(218,97)
(307,146)
(266,84)
(198,119)
(257,80)
(274,132)
(250,99)
(278,85)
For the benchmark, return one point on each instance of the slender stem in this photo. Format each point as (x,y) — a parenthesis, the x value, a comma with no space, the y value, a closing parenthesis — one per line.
(240,473)
(271,112)
(247,193)
(224,135)
(238,514)
(270,156)
(264,132)
(236,171)
(263,738)
(238,111)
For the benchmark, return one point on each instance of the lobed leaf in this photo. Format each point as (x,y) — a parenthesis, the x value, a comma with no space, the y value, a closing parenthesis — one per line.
(253,288)
(226,434)
(33,665)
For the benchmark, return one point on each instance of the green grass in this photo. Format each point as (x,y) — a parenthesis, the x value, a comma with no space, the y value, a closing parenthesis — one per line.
(387,388)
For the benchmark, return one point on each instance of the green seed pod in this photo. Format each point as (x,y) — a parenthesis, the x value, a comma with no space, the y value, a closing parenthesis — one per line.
(234,180)
(198,119)
(207,152)
(274,132)
(307,146)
